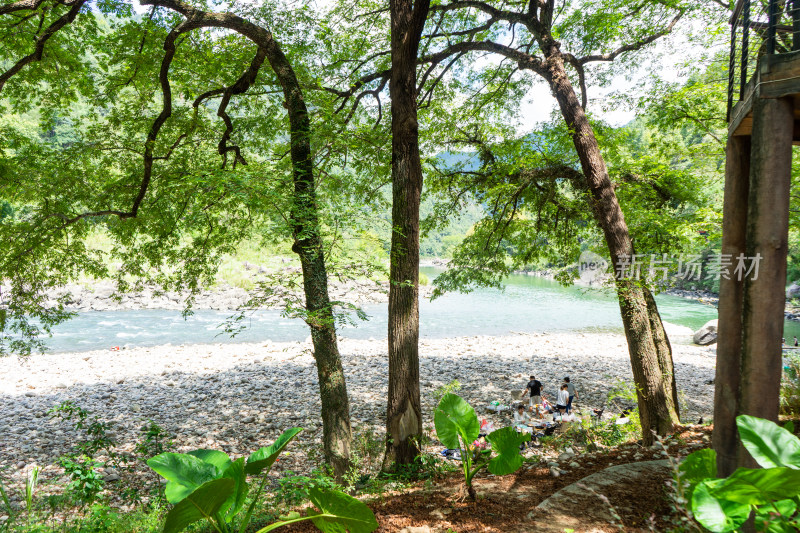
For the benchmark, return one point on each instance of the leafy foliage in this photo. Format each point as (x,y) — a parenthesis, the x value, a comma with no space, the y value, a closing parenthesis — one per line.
(209,485)
(457,427)
(772,492)
(86,481)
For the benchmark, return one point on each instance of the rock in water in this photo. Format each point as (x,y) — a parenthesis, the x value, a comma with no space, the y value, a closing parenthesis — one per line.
(707,334)
(793,291)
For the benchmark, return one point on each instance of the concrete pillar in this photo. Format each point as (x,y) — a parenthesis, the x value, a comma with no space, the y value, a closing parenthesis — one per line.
(767,235)
(729,338)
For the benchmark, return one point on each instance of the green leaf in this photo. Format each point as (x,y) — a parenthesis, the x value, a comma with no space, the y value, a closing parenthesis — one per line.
(698,466)
(766,518)
(204,502)
(340,513)
(214,457)
(454,417)
(757,486)
(769,444)
(505,443)
(235,502)
(714,514)
(184,473)
(263,458)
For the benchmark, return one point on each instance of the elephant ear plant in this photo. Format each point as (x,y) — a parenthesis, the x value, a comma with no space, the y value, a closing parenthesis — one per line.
(770,494)
(457,427)
(207,484)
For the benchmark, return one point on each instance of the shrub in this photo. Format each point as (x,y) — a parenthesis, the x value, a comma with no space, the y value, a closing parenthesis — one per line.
(154,441)
(293,490)
(451,388)
(86,481)
(790,387)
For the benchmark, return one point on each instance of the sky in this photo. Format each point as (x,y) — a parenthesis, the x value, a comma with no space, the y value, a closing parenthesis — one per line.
(668,58)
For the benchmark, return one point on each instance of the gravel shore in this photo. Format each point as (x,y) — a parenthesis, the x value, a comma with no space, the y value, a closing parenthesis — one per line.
(238,397)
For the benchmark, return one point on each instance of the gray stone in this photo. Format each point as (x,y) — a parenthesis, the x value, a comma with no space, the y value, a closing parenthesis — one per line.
(576,506)
(707,334)
(793,291)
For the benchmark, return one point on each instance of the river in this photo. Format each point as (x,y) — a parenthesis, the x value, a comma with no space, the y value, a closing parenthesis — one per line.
(527,304)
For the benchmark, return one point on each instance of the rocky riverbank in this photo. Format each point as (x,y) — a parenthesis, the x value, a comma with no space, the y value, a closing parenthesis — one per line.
(238,397)
(102,296)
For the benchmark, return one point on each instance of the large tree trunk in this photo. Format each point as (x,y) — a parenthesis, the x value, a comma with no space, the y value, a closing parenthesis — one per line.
(404,412)
(649,350)
(336,430)
(663,346)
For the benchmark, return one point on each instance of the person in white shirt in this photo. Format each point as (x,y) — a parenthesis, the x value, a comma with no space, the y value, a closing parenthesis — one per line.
(563,398)
(521,420)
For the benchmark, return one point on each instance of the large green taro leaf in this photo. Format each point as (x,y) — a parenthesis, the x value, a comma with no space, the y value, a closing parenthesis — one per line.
(769,444)
(454,417)
(505,444)
(263,458)
(214,457)
(235,502)
(759,486)
(340,513)
(204,502)
(184,473)
(698,466)
(715,514)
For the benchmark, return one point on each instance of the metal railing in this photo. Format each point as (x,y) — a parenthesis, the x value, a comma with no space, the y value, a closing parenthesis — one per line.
(759,27)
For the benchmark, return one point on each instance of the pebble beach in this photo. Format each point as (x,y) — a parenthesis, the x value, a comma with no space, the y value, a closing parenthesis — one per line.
(238,397)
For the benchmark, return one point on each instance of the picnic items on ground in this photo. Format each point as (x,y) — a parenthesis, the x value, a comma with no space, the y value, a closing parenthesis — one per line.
(497,407)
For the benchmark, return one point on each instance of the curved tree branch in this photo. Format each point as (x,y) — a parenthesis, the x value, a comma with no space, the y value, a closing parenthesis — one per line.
(572,60)
(524,60)
(22,5)
(610,56)
(526,19)
(42,39)
(240,86)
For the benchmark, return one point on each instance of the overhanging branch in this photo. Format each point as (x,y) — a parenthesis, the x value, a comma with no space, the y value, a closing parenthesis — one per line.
(42,39)
(610,56)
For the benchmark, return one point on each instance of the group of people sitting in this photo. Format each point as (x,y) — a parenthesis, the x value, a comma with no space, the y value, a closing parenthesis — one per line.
(539,403)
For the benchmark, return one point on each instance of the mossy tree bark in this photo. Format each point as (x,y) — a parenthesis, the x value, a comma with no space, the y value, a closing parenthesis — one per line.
(336,430)
(337,433)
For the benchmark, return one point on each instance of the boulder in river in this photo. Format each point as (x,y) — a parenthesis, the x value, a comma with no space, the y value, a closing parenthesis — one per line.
(707,334)
(793,291)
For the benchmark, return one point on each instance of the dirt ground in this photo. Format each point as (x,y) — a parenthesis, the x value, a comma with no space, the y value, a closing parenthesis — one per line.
(505,504)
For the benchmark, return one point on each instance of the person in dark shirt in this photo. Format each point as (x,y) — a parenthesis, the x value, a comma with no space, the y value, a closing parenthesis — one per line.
(534,388)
